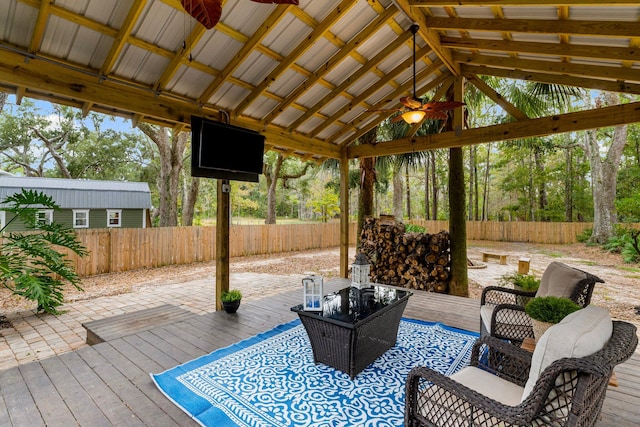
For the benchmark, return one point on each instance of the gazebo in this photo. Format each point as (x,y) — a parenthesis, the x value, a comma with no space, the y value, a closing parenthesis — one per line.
(313,77)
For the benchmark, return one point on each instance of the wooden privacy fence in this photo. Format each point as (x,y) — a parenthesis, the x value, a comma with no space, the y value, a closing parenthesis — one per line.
(520,231)
(115,250)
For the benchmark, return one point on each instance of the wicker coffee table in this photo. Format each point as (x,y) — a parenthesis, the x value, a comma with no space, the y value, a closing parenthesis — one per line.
(355,327)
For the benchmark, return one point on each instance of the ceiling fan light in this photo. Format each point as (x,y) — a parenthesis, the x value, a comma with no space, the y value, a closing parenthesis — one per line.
(413,117)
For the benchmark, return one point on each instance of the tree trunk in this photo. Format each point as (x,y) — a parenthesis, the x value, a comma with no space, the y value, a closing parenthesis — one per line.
(604,176)
(568,184)
(427,207)
(272,181)
(408,191)
(472,178)
(543,201)
(367,183)
(434,187)
(397,193)
(171,147)
(485,197)
(190,198)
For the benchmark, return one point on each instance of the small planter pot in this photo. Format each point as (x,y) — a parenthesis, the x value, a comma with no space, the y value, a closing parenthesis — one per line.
(231,307)
(539,328)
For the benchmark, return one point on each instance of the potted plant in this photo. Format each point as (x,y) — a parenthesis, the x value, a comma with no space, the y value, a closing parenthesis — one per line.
(547,311)
(231,300)
(521,282)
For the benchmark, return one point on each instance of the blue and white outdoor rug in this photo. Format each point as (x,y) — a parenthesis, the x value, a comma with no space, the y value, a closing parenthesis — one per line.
(270,380)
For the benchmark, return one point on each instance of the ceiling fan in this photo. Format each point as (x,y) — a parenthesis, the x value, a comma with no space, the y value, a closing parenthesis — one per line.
(208,12)
(415,110)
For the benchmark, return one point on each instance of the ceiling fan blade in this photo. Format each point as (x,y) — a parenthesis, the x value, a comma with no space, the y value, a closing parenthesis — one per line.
(206,12)
(410,102)
(441,105)
(436,115)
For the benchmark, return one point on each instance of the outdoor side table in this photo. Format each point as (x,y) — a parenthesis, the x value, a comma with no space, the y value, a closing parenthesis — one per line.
(355,326)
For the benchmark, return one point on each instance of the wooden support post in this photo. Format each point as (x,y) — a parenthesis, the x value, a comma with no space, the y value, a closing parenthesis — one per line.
(344,214)
(222,240)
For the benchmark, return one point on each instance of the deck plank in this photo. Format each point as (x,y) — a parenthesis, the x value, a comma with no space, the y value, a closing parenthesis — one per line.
(21,408)
(81,405)
(106,399)
(109,383)
(50,404)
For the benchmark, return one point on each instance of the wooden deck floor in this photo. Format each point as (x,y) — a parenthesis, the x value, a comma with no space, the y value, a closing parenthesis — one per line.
(109,383)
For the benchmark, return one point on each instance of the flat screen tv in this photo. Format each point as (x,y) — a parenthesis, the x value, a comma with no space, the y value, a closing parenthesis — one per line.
(223,151)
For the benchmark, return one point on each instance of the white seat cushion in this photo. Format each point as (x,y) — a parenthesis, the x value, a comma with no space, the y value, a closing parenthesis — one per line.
(489,385)
(580,334)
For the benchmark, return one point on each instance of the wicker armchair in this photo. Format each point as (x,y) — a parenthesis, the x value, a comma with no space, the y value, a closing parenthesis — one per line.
(568,392)
(502,309)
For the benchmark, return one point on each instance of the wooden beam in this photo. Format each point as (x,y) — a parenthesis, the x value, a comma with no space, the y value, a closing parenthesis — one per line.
(454,3)
(47,77)
(387,80)
(247,47)
(571,122)
(41,24)
(180,57)
(329,65)
(340,90)
(552,67)
(497,98)
(430,36)
(547,49)
(304,46)
(20,91)
(550,26)
(222,239)
(583,82)
(123,35)
(443,79)
(344,214)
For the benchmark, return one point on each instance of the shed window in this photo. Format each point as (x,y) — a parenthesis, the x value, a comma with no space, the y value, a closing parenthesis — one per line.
(81,218)
(114,217)
(44,216)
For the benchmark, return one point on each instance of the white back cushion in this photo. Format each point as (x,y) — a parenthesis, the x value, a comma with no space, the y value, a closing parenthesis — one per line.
(559,280)
(579,334)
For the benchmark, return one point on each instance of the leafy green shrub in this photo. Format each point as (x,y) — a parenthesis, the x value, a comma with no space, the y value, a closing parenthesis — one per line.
(550,309)
(231,295)
(527,282)
(626,242)
(585,235)
(414,228)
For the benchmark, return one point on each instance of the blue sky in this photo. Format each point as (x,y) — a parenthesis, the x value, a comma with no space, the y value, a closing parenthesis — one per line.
(111,122)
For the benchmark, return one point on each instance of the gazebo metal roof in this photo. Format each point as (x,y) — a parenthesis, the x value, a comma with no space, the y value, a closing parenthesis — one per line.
(306,75)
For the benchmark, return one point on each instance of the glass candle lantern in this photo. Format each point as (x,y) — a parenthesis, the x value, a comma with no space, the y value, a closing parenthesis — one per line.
(312,287)
(360,271)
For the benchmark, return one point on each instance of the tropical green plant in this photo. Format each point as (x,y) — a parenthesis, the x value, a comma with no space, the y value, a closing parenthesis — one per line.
(526,282)
(31,264)
(550,309)
(231,295)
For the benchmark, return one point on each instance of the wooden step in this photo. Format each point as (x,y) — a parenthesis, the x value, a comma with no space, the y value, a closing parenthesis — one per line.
(131,323)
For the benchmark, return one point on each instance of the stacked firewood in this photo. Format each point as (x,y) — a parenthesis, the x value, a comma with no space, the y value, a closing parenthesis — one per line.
(411,260)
